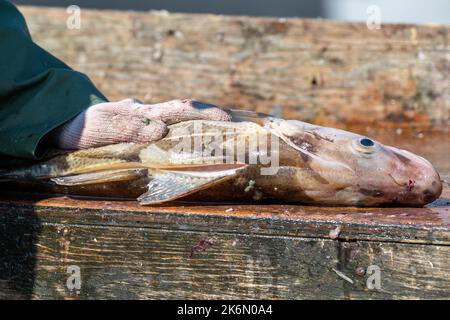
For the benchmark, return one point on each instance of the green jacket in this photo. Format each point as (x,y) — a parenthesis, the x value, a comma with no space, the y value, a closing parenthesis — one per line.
(38,92)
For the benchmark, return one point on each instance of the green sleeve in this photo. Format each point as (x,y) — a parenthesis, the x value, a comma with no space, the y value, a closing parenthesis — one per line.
(38,92)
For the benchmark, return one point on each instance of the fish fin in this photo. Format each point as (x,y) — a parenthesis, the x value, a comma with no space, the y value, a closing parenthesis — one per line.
(100,177)
(238,115)
(170,185)
(200,167)
(11,175)
(5,175)
(113,166)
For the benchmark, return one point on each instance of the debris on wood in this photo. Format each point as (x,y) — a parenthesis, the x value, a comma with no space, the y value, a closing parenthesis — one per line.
(360,271)
(334,234)
(342,275)
(201,246)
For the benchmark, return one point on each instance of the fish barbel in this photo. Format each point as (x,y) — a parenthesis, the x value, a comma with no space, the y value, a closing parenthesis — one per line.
(255,157)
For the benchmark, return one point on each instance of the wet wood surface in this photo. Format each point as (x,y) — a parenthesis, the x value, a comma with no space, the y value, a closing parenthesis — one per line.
(129,263)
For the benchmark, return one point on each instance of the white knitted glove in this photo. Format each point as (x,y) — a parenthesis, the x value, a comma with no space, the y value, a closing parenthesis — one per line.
(130,121)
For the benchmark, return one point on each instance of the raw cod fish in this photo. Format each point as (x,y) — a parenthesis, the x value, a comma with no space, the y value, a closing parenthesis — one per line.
(253,158)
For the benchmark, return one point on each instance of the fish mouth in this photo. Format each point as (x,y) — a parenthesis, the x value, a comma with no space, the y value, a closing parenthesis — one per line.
(417,181)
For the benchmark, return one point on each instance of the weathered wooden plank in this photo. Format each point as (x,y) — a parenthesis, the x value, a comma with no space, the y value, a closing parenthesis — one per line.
(137,263)
(410,225)
(320,71)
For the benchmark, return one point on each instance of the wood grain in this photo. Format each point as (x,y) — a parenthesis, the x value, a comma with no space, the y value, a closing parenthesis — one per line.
(142,263)
(410,225)
(126,251)
(320,71)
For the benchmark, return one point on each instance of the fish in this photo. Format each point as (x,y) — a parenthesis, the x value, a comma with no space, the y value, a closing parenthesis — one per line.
(255,157)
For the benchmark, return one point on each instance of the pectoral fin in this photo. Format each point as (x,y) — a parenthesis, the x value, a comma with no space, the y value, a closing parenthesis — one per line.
(100,177)
(170,185)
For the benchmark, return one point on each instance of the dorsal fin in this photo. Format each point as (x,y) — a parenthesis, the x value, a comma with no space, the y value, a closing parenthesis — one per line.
(246,115)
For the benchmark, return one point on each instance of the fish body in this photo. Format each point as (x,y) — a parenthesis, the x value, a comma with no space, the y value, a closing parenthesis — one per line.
(254,158)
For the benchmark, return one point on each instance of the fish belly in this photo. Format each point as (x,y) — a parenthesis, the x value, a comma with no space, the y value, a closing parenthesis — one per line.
(247,186)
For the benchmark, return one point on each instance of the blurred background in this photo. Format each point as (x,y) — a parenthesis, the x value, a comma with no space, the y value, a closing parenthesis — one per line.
(406,11)
(317,70)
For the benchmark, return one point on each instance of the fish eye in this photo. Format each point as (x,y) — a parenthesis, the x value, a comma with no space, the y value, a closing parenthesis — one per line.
(365,145)
(366,142)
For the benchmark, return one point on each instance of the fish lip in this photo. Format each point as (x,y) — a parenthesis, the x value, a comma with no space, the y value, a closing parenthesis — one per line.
(418,180)
(433,193)
(436,195)
(419,198)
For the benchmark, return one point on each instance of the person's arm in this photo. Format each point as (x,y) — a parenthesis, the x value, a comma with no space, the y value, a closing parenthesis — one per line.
(37,91)
(40,96)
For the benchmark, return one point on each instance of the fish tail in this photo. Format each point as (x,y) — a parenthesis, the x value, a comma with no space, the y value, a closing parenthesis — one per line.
(14,174)
(7,175)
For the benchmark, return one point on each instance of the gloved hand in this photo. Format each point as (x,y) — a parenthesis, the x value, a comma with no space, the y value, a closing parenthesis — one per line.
(130,121)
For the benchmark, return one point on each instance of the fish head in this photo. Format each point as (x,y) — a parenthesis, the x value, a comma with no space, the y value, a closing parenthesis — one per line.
(358,170)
